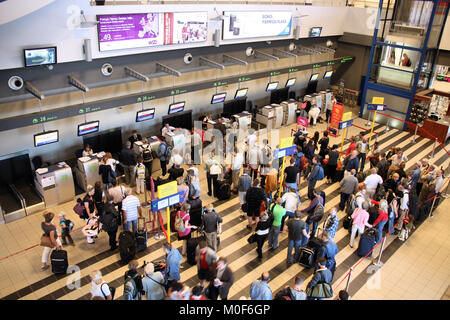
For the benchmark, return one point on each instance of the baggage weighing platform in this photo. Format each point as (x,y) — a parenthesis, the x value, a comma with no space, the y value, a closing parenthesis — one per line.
(55,184)
(86,171)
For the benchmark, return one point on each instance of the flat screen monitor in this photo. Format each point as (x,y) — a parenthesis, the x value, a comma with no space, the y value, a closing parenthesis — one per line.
(272,86)
(280,95)
(328,74)
(241,93)
(39,56)
(314,77)
(41,139)
(179,120)
(218,98)
(290,82)
(315,32)
(176,107)
(89,127)
(144,115)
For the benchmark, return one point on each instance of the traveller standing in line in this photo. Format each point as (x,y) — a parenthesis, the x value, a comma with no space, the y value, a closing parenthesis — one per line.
(292,175)
(383,217)
(109,222)
(49,231)
(89,204)
(245,182)
(371,183)
(332,222)
(99,287)
(118,194)
(351,162)
(128,159)
(317,174)
(212,169)
(332,164)
(328,250)
(153,283)
(362,147)
(296,236)
(291,201)
(260,289)
(172,271)
(184,236)
(212,225)
(349,186)
(164,155)
(205,257)
(237,163)
(139,173)
(221,280)
(321,275)
(278,213)
(262,231)
(131,207)
(254,197)
(360,221)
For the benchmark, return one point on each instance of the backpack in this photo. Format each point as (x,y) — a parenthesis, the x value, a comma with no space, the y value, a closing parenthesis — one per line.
(351,205)
(147,154)
(321,174)
(140,171)
(109,221)
(79,208)
(317,213)
(203,264)
(168,153)
(111,289)
(130,291)
(179,224)
(69,225)
(284,294)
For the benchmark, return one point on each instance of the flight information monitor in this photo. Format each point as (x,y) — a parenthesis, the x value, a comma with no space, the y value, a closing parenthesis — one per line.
(328,74)
(218,98)
(39,56)
(144,115)
(41,139)
(241,93)
(176,107)
(88,127)
(314,77)
(315,32)
(272,86)
(290,82)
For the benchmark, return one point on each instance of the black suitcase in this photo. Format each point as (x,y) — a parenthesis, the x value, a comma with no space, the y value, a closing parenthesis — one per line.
(347,223)
(223,190)
(367,242)
(190,250)
(195,212)
(306,257)
(127,246)
(141,235)
(339,175)
(59,261)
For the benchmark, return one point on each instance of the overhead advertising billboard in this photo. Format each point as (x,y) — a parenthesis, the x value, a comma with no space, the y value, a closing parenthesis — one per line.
(137,30)
(251,24)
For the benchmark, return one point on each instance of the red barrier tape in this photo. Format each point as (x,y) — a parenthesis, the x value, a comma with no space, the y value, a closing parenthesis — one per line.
(162,225)
(354,125)
(384,114)
(370,252)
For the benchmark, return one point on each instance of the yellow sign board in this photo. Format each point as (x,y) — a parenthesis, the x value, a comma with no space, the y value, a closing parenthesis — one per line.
(286,143)
(347,116)
(378,100)
(167,189)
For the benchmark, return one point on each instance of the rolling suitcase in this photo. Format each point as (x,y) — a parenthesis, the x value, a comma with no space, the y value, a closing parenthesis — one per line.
(306,257)
(127,246)
(223,190)
(141,235)
(190,250)
(367,242)
(59,261)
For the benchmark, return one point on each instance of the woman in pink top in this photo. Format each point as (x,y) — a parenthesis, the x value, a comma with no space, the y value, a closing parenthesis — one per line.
(184,214)
(360,220)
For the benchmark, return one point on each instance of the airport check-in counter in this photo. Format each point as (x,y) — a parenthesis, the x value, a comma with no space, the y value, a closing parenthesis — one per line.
(154,143)
(55,184)
(265,116)
(180,141)
(278,116)
(289,110)
(86,171)
(244,120)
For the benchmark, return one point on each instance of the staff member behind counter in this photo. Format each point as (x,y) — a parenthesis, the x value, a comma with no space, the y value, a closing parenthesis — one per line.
(167,128)
(87,151)
(134,137)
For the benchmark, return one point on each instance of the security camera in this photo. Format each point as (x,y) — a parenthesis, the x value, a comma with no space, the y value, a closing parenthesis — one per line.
(187,58)
(15,83)
(292,46)
(107,69)
(329,43)
(249,52)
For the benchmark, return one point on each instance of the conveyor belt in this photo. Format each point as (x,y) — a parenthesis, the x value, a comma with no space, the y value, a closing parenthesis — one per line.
(8,201)
(28,192)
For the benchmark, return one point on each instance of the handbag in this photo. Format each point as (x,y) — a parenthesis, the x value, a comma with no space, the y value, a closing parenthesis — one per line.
(321,290)
(46,241)
(244,207)
(252,238)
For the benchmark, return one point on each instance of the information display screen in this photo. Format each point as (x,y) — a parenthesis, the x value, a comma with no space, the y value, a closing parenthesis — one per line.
(125,31)
(41,139)
(290,82)
(176,107)
(241,93)
(88,127)
(272,86)
(314,77)
(218,98)
(328,74)
(315,32)
(39,56)
(144,115)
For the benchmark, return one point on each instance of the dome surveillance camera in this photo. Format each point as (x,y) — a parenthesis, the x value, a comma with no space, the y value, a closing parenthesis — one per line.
(329,43)
(249,52)
(15,83)
(187,58)
(107,69)
(292,46)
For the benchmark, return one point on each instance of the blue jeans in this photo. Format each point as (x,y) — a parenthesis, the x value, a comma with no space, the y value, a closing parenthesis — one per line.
(291,185)
(311,186)
(314,229)
(391,224)
(293,244)
(133,225)
(380,230)
(273,236)
(288,214)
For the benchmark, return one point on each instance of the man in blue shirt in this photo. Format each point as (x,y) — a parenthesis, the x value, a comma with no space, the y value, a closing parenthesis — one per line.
(415,174)
(328,251)
(173,258)
(260,289)
(314,177)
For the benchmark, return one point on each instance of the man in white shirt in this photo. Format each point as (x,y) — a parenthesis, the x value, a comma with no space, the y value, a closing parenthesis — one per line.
(167,128)
(372,181)
(253,160)
(250,142)
(362,147)
(131,207)
(238,161)
(403,206)
(99,288)
(438,181)
(291,202)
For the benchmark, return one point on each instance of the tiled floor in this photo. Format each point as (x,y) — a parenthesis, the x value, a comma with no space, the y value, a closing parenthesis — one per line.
(413,269)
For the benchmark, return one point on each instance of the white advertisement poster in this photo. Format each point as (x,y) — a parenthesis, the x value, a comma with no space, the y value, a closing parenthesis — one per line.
(238,25)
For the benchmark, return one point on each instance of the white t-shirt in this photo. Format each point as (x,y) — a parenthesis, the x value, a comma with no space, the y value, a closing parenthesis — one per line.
(363,147)
(165,130)
(251,141)
(291,201)
(238,160)
(253,157)
(96,290)
(130,205)
(373,181)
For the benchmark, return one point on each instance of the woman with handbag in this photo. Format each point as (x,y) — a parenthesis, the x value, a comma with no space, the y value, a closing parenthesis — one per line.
(319,287)
(49,239)
(183,226)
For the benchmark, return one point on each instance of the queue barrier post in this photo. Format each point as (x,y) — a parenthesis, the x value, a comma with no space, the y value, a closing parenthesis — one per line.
(432,207)
(378,262)
(368,124)
(348,279)
(434,148)
(415,133)
(387,124)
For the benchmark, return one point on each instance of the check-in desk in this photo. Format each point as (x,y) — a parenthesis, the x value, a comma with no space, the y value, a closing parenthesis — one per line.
(265,116)
(244,120)
(86,171)
(180,141)
(289,109)
(55,184)
(278,115)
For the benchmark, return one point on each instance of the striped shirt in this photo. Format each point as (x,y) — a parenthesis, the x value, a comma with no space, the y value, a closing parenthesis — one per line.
(130,205)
